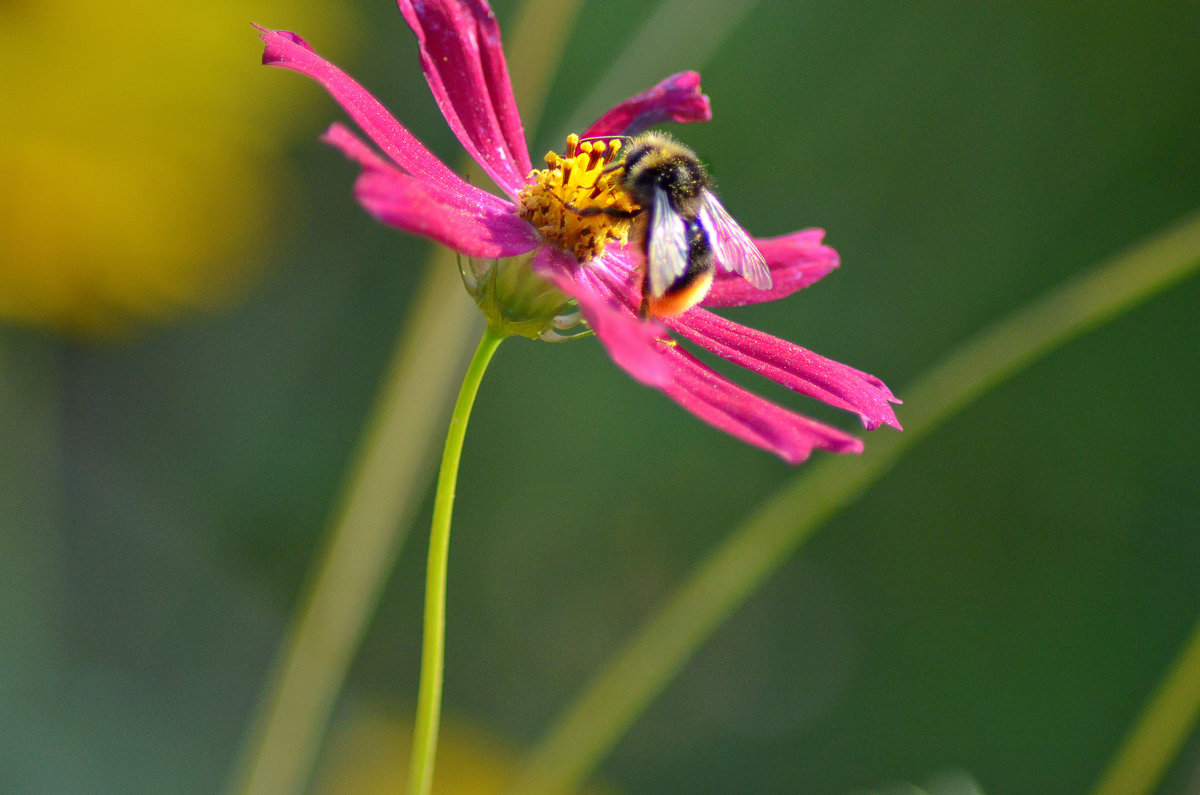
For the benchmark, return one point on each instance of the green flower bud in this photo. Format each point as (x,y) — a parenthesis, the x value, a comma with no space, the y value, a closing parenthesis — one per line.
(518,302)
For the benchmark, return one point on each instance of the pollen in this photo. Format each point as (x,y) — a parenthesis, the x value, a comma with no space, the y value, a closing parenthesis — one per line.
(577,201)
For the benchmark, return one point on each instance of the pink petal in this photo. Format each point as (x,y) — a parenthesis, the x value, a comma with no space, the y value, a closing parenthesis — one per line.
(695,386)
(748,417)
(464,66)
(796,261)
(635,346)
(426,209)
(292,52)
(466,195)
(792,366)
(678,98)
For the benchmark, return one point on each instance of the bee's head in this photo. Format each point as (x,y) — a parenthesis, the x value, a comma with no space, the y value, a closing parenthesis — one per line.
(654,160)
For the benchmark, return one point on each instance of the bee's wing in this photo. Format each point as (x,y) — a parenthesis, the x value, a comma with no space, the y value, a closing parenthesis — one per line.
(733,247)
(667,252)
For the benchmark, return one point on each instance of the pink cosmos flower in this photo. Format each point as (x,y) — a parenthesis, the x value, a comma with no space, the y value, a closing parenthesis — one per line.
(412,190)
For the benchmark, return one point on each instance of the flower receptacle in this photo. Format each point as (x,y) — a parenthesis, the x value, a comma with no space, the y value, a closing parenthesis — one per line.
(516,301)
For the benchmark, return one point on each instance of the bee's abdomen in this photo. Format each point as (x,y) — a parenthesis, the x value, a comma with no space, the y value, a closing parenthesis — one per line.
(691,287)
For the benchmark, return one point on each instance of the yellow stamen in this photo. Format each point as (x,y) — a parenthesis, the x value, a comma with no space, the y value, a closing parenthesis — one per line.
(581,181)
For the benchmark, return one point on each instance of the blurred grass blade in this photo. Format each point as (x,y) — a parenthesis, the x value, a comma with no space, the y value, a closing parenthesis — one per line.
(678,34)
(1161,731)
(390,477)
(623,689)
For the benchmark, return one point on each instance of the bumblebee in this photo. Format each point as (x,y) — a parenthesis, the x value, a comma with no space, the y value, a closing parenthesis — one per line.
(687,232)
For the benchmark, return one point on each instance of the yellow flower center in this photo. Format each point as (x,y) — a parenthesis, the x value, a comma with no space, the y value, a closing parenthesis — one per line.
(576,202)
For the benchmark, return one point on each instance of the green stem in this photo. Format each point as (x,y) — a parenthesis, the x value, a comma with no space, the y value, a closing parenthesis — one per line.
(1162,729)
(433,644)
(391,472)
(621,691)
(392,469)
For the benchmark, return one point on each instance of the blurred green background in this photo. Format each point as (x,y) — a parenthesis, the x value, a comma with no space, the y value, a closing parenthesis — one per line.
(1000,605)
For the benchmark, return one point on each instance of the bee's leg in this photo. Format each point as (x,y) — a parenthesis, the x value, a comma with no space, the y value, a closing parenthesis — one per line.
(583,211)
(609,211)
(644,309)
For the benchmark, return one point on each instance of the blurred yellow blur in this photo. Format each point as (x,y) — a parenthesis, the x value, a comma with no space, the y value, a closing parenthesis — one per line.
(368,754)
(139,154)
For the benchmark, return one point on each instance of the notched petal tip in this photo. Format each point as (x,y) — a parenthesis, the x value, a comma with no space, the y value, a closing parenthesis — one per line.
(271,53)
(289,51)
(677,98)
(796,368)
(464,65)
(749,417)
